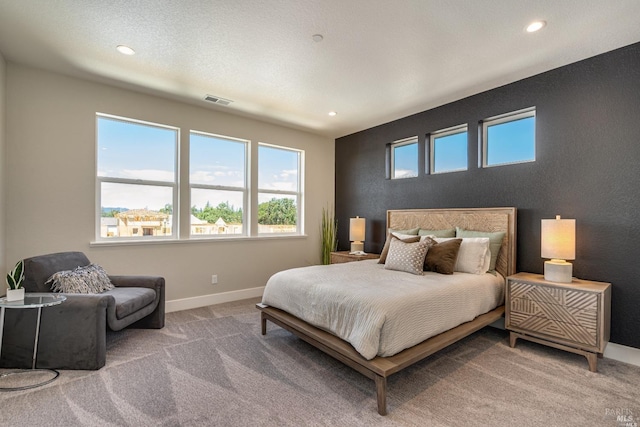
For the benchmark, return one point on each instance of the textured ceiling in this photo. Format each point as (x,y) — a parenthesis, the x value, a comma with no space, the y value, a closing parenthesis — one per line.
(380,60)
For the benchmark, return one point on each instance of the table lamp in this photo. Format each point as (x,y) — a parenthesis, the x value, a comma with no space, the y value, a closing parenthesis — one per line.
(356,233)
(559,244)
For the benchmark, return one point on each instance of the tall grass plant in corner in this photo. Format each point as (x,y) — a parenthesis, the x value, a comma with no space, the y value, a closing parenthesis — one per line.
(329,230)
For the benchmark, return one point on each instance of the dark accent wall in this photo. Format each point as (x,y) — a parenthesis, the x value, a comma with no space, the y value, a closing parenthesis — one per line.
(587,167)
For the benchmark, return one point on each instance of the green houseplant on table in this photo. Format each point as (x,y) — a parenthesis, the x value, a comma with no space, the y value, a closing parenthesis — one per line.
(15,291)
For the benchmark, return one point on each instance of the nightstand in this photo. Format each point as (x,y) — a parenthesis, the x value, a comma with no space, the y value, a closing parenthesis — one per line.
(572,316)
(344,256)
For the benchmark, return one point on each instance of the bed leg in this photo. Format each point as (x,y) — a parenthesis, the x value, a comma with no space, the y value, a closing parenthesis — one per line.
(263,323)
(381,391)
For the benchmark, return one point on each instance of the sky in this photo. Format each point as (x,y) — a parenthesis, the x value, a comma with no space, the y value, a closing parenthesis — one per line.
(139,151)
(510,142)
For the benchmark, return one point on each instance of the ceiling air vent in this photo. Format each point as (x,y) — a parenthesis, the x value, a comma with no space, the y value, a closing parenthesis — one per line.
(217,100)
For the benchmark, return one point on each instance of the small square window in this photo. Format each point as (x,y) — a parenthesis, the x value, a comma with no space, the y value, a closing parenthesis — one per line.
(449,150)
(509,138)
(404,158)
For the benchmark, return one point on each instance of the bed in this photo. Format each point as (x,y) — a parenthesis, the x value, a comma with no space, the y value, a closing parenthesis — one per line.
(377,365)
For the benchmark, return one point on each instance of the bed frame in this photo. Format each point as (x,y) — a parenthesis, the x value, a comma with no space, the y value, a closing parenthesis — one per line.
(379,368)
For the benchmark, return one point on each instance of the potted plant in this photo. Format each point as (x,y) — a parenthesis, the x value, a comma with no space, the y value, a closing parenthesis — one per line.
(328,230)
(15,291)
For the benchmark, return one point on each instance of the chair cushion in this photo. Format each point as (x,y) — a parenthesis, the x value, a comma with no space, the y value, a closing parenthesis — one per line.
(130,300)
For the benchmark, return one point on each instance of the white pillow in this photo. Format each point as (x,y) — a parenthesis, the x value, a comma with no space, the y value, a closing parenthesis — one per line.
(474,255)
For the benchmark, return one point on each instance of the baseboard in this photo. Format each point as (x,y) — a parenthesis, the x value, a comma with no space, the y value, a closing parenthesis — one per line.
(613,351)
(623,353)
(211,299)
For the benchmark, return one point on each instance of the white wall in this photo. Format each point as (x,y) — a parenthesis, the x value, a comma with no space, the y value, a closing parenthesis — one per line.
(3,172)
(51,200)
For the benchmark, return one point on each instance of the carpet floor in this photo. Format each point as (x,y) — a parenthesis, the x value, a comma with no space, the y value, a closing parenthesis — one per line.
(211,367)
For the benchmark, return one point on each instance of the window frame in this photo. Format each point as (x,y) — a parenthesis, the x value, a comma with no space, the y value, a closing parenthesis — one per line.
(246,226)
(392,156)
(175,186)
(501,119)
(453,130)
(299,194)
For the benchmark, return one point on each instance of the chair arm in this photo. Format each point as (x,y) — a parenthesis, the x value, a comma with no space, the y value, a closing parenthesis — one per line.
(155,320)
(80,303)
(72,334)
(153,282)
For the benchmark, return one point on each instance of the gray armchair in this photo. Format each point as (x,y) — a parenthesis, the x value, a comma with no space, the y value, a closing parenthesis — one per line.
(73,334)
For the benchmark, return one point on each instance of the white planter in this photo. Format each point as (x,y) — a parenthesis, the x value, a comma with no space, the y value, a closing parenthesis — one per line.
(15,294)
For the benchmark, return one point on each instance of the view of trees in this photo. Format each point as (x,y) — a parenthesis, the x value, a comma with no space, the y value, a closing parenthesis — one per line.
(274,212)
(168,209)
(112,212)
(224,210)
(277,212)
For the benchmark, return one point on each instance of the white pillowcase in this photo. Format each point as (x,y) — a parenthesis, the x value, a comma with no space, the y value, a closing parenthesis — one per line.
(474,255)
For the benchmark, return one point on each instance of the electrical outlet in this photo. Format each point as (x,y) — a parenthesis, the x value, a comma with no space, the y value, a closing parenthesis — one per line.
(214,279)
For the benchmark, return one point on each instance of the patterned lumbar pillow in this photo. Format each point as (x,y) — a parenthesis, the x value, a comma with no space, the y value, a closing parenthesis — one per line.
(91,279)
(405,256)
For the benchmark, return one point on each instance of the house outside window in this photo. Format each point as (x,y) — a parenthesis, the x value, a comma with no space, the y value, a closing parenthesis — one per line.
(509,138)
(280,190)
(136,179)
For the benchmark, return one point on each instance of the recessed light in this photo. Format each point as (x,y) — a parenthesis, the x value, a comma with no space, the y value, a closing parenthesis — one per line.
(317,38)
(535,26)
(125,50)
(332,113)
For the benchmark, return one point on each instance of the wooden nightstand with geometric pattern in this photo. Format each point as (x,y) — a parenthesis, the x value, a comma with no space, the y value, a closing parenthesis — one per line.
(344,256)
(569,316)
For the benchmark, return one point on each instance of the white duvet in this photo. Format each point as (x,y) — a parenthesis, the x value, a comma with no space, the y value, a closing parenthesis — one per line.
(382,312)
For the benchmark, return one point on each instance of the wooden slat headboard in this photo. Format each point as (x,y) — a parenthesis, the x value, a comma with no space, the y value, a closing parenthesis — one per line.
(478,219)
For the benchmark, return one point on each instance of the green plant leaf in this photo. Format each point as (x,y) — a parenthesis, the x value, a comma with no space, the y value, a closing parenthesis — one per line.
(10,282)
(16,276)
(328,231)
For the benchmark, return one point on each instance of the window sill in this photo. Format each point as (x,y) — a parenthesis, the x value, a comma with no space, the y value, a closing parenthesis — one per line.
(104,243)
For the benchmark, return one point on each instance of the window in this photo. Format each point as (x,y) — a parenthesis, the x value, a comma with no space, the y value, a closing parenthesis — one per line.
(218,180)
(136,179)
(137,184)
(509,138)
(404,158)
(449,150)
(279,189)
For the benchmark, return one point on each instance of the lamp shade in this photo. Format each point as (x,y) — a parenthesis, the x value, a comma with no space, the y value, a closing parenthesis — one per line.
(558,238)
(356,229)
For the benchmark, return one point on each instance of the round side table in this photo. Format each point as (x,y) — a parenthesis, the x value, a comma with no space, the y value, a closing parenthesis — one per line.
(31,300)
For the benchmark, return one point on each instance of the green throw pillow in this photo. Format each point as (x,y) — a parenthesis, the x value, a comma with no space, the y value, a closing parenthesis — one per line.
(447,232)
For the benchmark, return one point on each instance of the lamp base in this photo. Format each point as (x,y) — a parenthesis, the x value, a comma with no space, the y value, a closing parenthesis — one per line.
(357,246)
(558,270)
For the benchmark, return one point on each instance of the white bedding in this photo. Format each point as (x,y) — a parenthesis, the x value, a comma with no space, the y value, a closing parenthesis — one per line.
(382,312)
